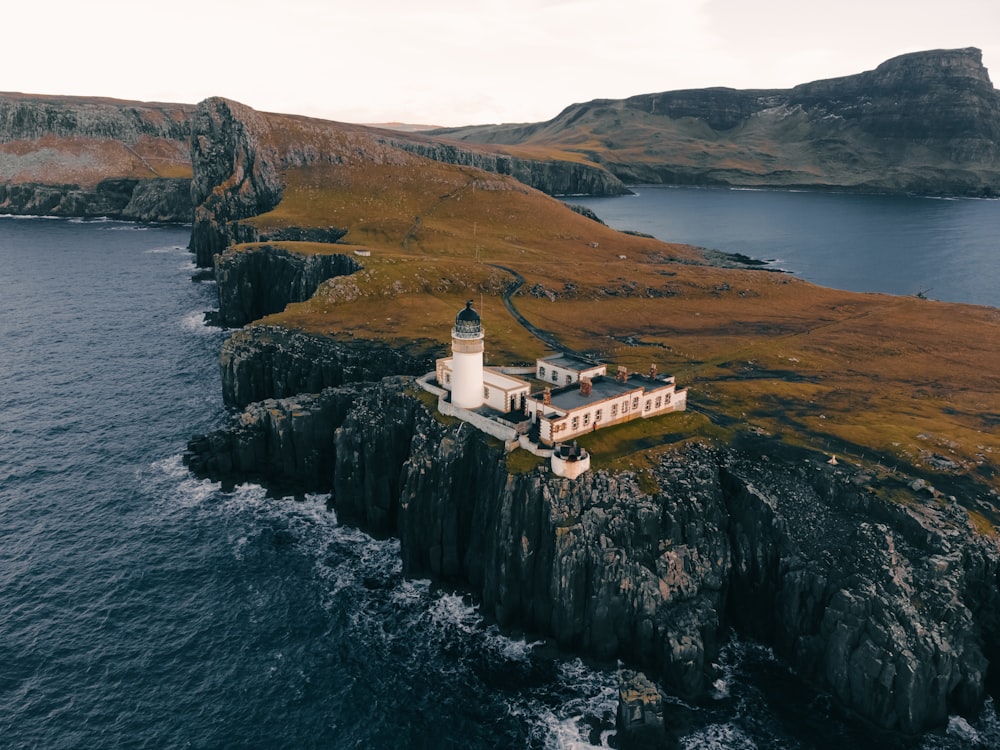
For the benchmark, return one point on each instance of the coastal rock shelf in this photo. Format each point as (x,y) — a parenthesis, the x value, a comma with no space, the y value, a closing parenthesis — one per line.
(257,281)
(152,200)
(892,609)
(261,362)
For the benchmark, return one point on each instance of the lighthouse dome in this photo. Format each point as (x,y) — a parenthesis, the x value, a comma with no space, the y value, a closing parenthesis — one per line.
(467,323)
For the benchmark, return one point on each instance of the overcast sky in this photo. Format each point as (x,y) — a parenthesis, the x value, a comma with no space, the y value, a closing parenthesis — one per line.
(457,62)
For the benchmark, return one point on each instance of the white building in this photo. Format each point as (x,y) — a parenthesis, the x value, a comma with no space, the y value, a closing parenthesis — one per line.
(579,397)
(565,369)
(471,384)
(564,413)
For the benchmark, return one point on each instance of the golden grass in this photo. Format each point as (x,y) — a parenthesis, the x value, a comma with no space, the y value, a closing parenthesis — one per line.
(882,379)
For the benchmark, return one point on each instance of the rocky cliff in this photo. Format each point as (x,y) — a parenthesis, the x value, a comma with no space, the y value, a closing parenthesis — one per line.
(71,156)
(235,174)
(241,159)
(260,280)
(892,608)
(153,200)
(926,122)
(260,362)
(551,176)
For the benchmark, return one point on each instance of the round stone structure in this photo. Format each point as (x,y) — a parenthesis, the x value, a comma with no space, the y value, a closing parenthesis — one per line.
(467,359)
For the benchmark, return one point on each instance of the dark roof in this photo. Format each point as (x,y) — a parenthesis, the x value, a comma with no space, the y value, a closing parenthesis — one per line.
(468,315)
(571,397)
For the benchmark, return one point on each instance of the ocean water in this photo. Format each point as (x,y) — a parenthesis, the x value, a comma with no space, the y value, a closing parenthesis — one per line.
(945,249)
(143,608)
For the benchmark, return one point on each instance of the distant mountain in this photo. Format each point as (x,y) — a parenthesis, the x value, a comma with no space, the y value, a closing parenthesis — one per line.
(925,122)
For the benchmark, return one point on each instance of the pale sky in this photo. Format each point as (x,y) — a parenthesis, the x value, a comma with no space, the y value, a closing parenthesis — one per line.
(462,62)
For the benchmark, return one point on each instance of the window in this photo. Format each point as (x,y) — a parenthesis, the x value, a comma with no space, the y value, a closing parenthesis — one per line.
(625,407)
(614,410)
(649,404)
(541,373)
(576,423)
(555,377)
(635,403)
(586,419)
(666,399)
(569,379)
(486,392)
(598,415)
(447,377)
(658,402)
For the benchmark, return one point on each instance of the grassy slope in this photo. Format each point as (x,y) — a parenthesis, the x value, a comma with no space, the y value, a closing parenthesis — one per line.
(893,380)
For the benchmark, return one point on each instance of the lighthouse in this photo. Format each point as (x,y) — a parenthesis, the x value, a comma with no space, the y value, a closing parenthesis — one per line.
(467,359)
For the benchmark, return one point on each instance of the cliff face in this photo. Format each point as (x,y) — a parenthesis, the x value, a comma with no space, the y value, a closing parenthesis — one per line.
(241,159)
(260,362)
(70,156)
(235,174)
(153,200)
(927,122)
(891,608)
(258,281)
(552,177)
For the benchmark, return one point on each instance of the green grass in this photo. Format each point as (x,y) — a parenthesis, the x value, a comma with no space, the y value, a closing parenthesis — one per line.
(633,445)
(521,462)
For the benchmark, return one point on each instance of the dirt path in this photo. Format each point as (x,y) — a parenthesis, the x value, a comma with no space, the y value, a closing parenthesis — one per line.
(546,337)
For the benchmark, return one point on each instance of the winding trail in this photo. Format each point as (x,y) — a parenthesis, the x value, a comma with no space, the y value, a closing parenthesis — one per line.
(546,337)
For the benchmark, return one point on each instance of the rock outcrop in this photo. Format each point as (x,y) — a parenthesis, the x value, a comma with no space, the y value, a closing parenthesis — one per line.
(260,362)
(256,281)
(893,609)
(640,712)
(149,200)
(236,175)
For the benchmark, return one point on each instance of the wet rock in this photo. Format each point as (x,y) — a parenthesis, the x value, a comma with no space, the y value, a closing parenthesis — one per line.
(640,712)
(257,281)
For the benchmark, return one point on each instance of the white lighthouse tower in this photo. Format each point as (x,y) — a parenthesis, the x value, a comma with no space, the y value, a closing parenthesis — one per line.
(467,359)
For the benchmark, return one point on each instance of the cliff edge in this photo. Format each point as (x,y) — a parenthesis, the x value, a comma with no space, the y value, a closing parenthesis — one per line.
(892,608)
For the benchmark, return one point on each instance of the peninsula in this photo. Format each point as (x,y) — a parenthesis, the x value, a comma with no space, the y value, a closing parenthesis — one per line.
(832,488)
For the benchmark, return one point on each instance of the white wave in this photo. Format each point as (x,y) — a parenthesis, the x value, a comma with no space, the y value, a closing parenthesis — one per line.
(168,249)
(195,322)
(569,726)
(718,737)
(568,734)
(961,729)
(181,488)
(453,611)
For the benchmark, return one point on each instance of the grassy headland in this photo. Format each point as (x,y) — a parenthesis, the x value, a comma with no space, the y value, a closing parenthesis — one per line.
(887,382)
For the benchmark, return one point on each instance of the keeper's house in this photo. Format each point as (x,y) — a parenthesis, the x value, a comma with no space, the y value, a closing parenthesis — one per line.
(592,403)
(565,369)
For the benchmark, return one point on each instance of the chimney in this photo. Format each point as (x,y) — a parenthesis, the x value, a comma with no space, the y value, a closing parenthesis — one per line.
(585,386)
(622,375)
(652,372)
(547,396)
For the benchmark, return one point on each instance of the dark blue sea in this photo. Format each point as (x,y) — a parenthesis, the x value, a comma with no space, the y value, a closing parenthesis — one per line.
(945,249)
(143,608)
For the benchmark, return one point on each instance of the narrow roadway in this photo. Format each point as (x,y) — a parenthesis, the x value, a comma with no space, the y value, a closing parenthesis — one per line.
(547,337)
